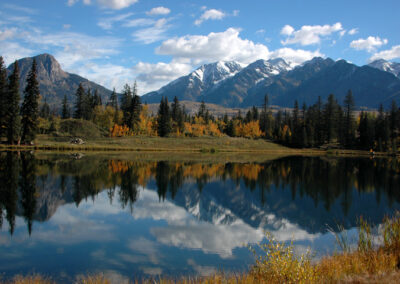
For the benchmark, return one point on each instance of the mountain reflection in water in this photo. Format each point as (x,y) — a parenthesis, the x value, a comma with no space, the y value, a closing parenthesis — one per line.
(149,217)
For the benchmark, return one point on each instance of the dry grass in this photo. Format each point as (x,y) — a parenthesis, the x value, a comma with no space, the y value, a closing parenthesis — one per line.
(278,263)
(158,144)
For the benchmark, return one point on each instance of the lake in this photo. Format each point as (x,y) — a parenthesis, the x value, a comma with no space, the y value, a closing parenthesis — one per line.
(133,218)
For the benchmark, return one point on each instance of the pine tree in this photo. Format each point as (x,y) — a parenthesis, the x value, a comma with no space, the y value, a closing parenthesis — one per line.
(79,103)
(12,115)
(177,115)
(349,123)
(126,104)
(393,120)
(45,110)
(331,113)
(202,110)
(3,97)
(135,109)
(30,106)
(164,118)
(88,105)
(113,102)
(96,99)
(66,113)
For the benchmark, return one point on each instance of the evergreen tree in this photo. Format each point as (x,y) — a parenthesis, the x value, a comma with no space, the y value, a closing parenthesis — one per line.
(393,120)
(13,98)
(202,110)
(45,110)
(80,101)
(319,125)
(382,130)
(135,109)
(331,118)
(113,102)
(177,115)
(88,105)
(349,123)
(65,113)
(164,118)
(30,106)
(126,104)
(96,99)
(265,119)
(367,132)
(3,97)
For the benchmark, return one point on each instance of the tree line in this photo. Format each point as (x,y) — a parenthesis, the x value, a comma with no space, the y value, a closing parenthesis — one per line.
(323,124)
(18,123)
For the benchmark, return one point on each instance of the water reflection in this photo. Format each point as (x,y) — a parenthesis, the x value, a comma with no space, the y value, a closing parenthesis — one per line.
(183,217)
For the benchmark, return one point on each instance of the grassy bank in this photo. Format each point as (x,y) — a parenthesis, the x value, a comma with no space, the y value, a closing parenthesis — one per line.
(172,144)
(279,263)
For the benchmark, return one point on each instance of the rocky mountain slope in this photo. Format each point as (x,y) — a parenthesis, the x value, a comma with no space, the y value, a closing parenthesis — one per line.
(371,84)
(54,83)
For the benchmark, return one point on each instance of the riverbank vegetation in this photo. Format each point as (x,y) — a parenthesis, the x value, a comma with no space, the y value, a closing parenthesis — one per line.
(279,263)
(325,125)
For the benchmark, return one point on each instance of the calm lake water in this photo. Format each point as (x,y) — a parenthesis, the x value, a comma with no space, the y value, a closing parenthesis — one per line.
(64,216)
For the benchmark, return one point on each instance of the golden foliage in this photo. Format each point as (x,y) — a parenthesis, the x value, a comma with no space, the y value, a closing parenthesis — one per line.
(120,131)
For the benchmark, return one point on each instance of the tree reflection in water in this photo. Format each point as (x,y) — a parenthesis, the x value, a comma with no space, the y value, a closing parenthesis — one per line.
(25,178)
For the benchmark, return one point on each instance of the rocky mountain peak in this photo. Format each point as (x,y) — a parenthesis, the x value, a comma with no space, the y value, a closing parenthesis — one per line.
(387,66)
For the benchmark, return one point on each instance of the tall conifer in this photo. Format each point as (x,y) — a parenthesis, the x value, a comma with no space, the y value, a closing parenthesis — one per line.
(30,106)
(12,116)
(3,97)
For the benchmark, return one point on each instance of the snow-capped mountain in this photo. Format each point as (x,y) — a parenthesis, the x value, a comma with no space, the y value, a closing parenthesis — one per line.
(233,91)
(212,74)
(209,81)
(284,84)
(193,86)
(392,67)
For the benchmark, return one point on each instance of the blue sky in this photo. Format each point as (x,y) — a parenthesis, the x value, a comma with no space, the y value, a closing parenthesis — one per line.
(114,42)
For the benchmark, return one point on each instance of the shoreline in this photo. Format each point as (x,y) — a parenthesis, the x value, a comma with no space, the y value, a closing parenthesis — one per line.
(203,145)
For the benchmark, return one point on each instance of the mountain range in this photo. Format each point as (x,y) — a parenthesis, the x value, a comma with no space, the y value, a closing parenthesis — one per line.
(378,82)
(230,84)
(54,83)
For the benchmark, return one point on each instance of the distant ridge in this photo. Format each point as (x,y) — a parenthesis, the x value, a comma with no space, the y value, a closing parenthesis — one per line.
(372,84)
(54,82)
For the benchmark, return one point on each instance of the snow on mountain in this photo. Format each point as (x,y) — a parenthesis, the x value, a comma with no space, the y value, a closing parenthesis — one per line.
(391,67)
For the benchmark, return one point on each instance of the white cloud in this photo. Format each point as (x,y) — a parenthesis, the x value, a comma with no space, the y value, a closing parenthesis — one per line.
(235,13)
(225,45)
(138,22)
(108,22)
(389,54)
(153,76)
(108,75)
(369,44)
(260,31)
(12,51)
(66,26)
(353,31)
(116,4)
(308,35)
(7,33)
(154,33)
(20,9)
(74,47)
(158,11)
(295,56)
(211,14)
(287,30)
(110,4)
